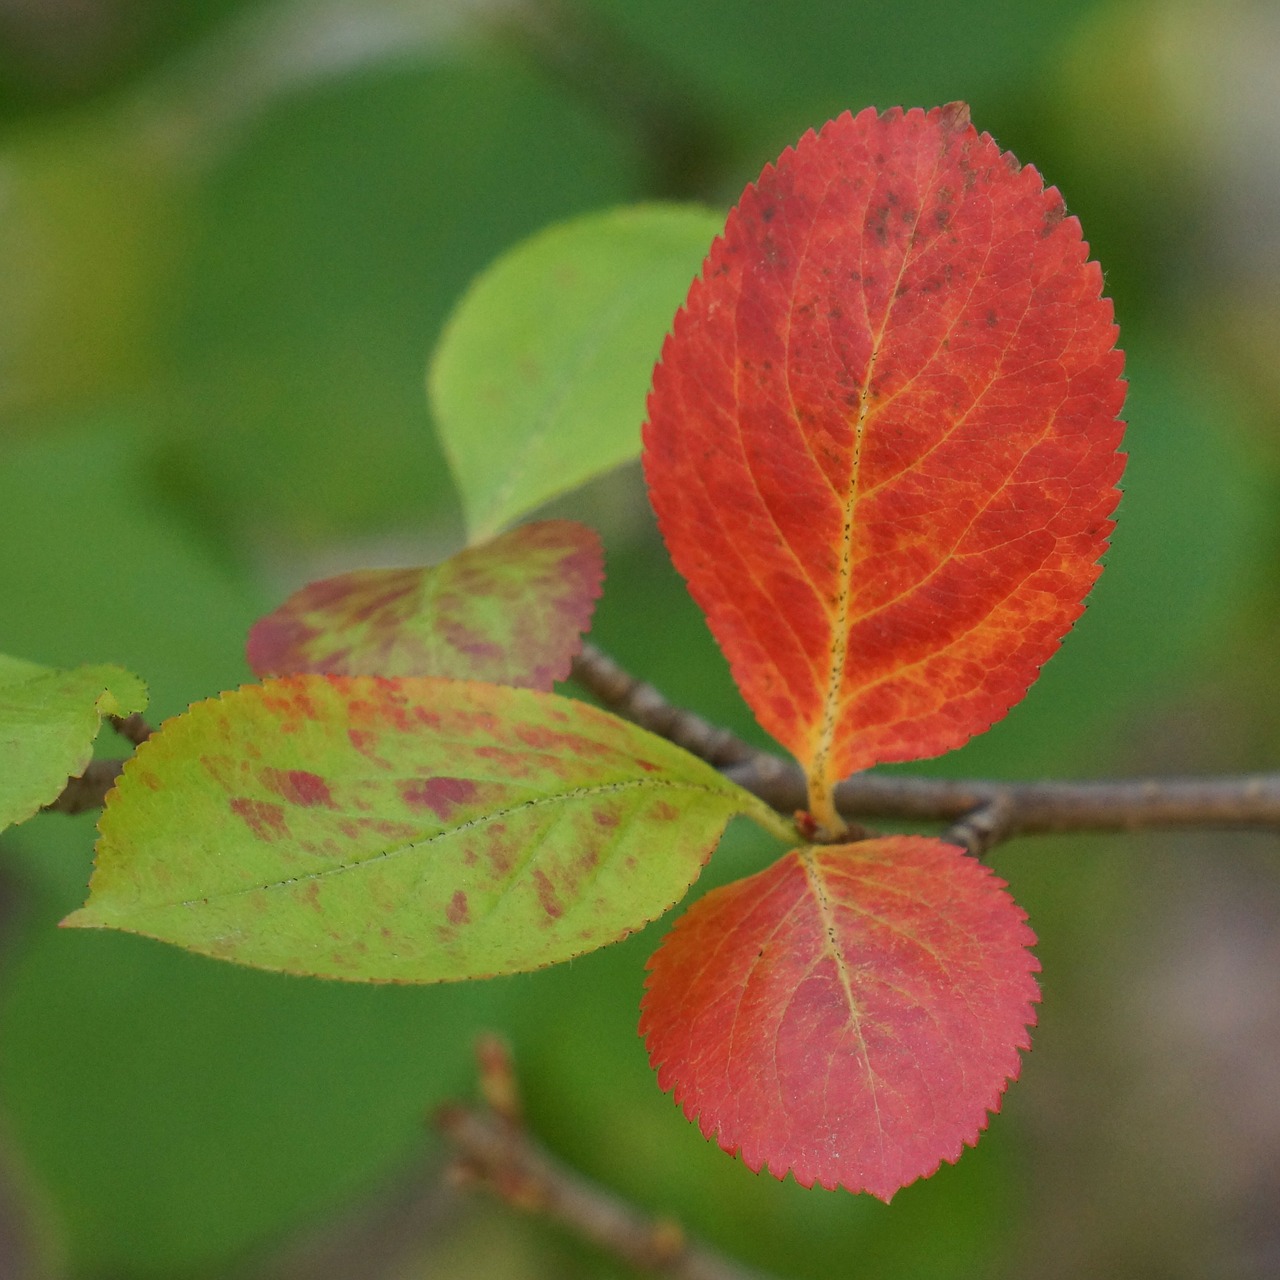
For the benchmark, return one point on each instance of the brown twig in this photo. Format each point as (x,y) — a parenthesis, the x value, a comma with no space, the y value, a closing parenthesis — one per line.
(978,814)
(89,790)
(639,701)
(493,1151)
(981,814)
(132,728)
(985,813)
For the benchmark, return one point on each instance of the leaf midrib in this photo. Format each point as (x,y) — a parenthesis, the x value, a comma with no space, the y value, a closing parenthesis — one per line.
(582,793)
(819,780)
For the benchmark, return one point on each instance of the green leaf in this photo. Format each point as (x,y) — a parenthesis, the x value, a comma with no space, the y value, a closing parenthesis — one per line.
(540,378)
(48,721)
(413,830)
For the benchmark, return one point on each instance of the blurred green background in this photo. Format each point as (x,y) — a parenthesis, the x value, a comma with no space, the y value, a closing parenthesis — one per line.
(229,233)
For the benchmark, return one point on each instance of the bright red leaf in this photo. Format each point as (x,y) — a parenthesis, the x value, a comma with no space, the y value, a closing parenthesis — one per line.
(882,437)
(852,1014)
(510,611)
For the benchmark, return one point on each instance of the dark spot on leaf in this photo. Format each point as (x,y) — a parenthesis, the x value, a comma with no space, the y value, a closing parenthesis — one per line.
(664,811)
(1053,216)
(991,319)
(469,642)
(547,895)
(954,117)
(457,912)
(264,819)
(605,818)
(500,850)
(365,742)
(441,795)
(298,787)
(541,739)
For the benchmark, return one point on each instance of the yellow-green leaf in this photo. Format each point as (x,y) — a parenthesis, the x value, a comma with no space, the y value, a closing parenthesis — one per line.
(48,721)
(539,381)
(412,830)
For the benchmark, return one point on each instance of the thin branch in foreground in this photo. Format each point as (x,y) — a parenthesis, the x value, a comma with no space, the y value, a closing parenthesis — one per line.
(980,814)
(133,729)
(977,814)
(640,702)
(493,1151)
(89,790)
(984,813)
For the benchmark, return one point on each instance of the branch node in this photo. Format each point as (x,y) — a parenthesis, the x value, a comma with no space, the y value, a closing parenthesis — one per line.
(497,1077)
(668,1241)
(981,829)
(493,1153)
(131,728)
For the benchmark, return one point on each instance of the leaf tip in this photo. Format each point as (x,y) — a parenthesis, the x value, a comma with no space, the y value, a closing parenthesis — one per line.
(81,918)
(954,117)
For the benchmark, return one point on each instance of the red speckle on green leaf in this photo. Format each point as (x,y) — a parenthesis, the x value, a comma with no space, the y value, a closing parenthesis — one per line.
(440,795)
(264,819)
(298,787)
(547,895)
(365,743)
(457,912)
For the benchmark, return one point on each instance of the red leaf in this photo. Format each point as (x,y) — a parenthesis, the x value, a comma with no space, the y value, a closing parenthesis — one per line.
(881,440)
(851,1014)
(510,611)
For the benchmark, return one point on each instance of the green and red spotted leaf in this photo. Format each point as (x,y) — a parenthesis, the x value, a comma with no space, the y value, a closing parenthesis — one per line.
(412,830)
(511,611)
(882,437)
(851,1015)
(48,721)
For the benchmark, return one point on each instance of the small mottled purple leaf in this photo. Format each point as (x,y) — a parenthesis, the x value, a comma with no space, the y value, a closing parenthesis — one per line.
(510,611)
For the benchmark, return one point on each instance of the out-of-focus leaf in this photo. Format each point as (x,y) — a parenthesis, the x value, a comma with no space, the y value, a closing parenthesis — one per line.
(796,61)
(510,611)
(48,721)
(413,830)
(334,241)
(538,383)
(882,438)
(850,1015)
(88,231)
